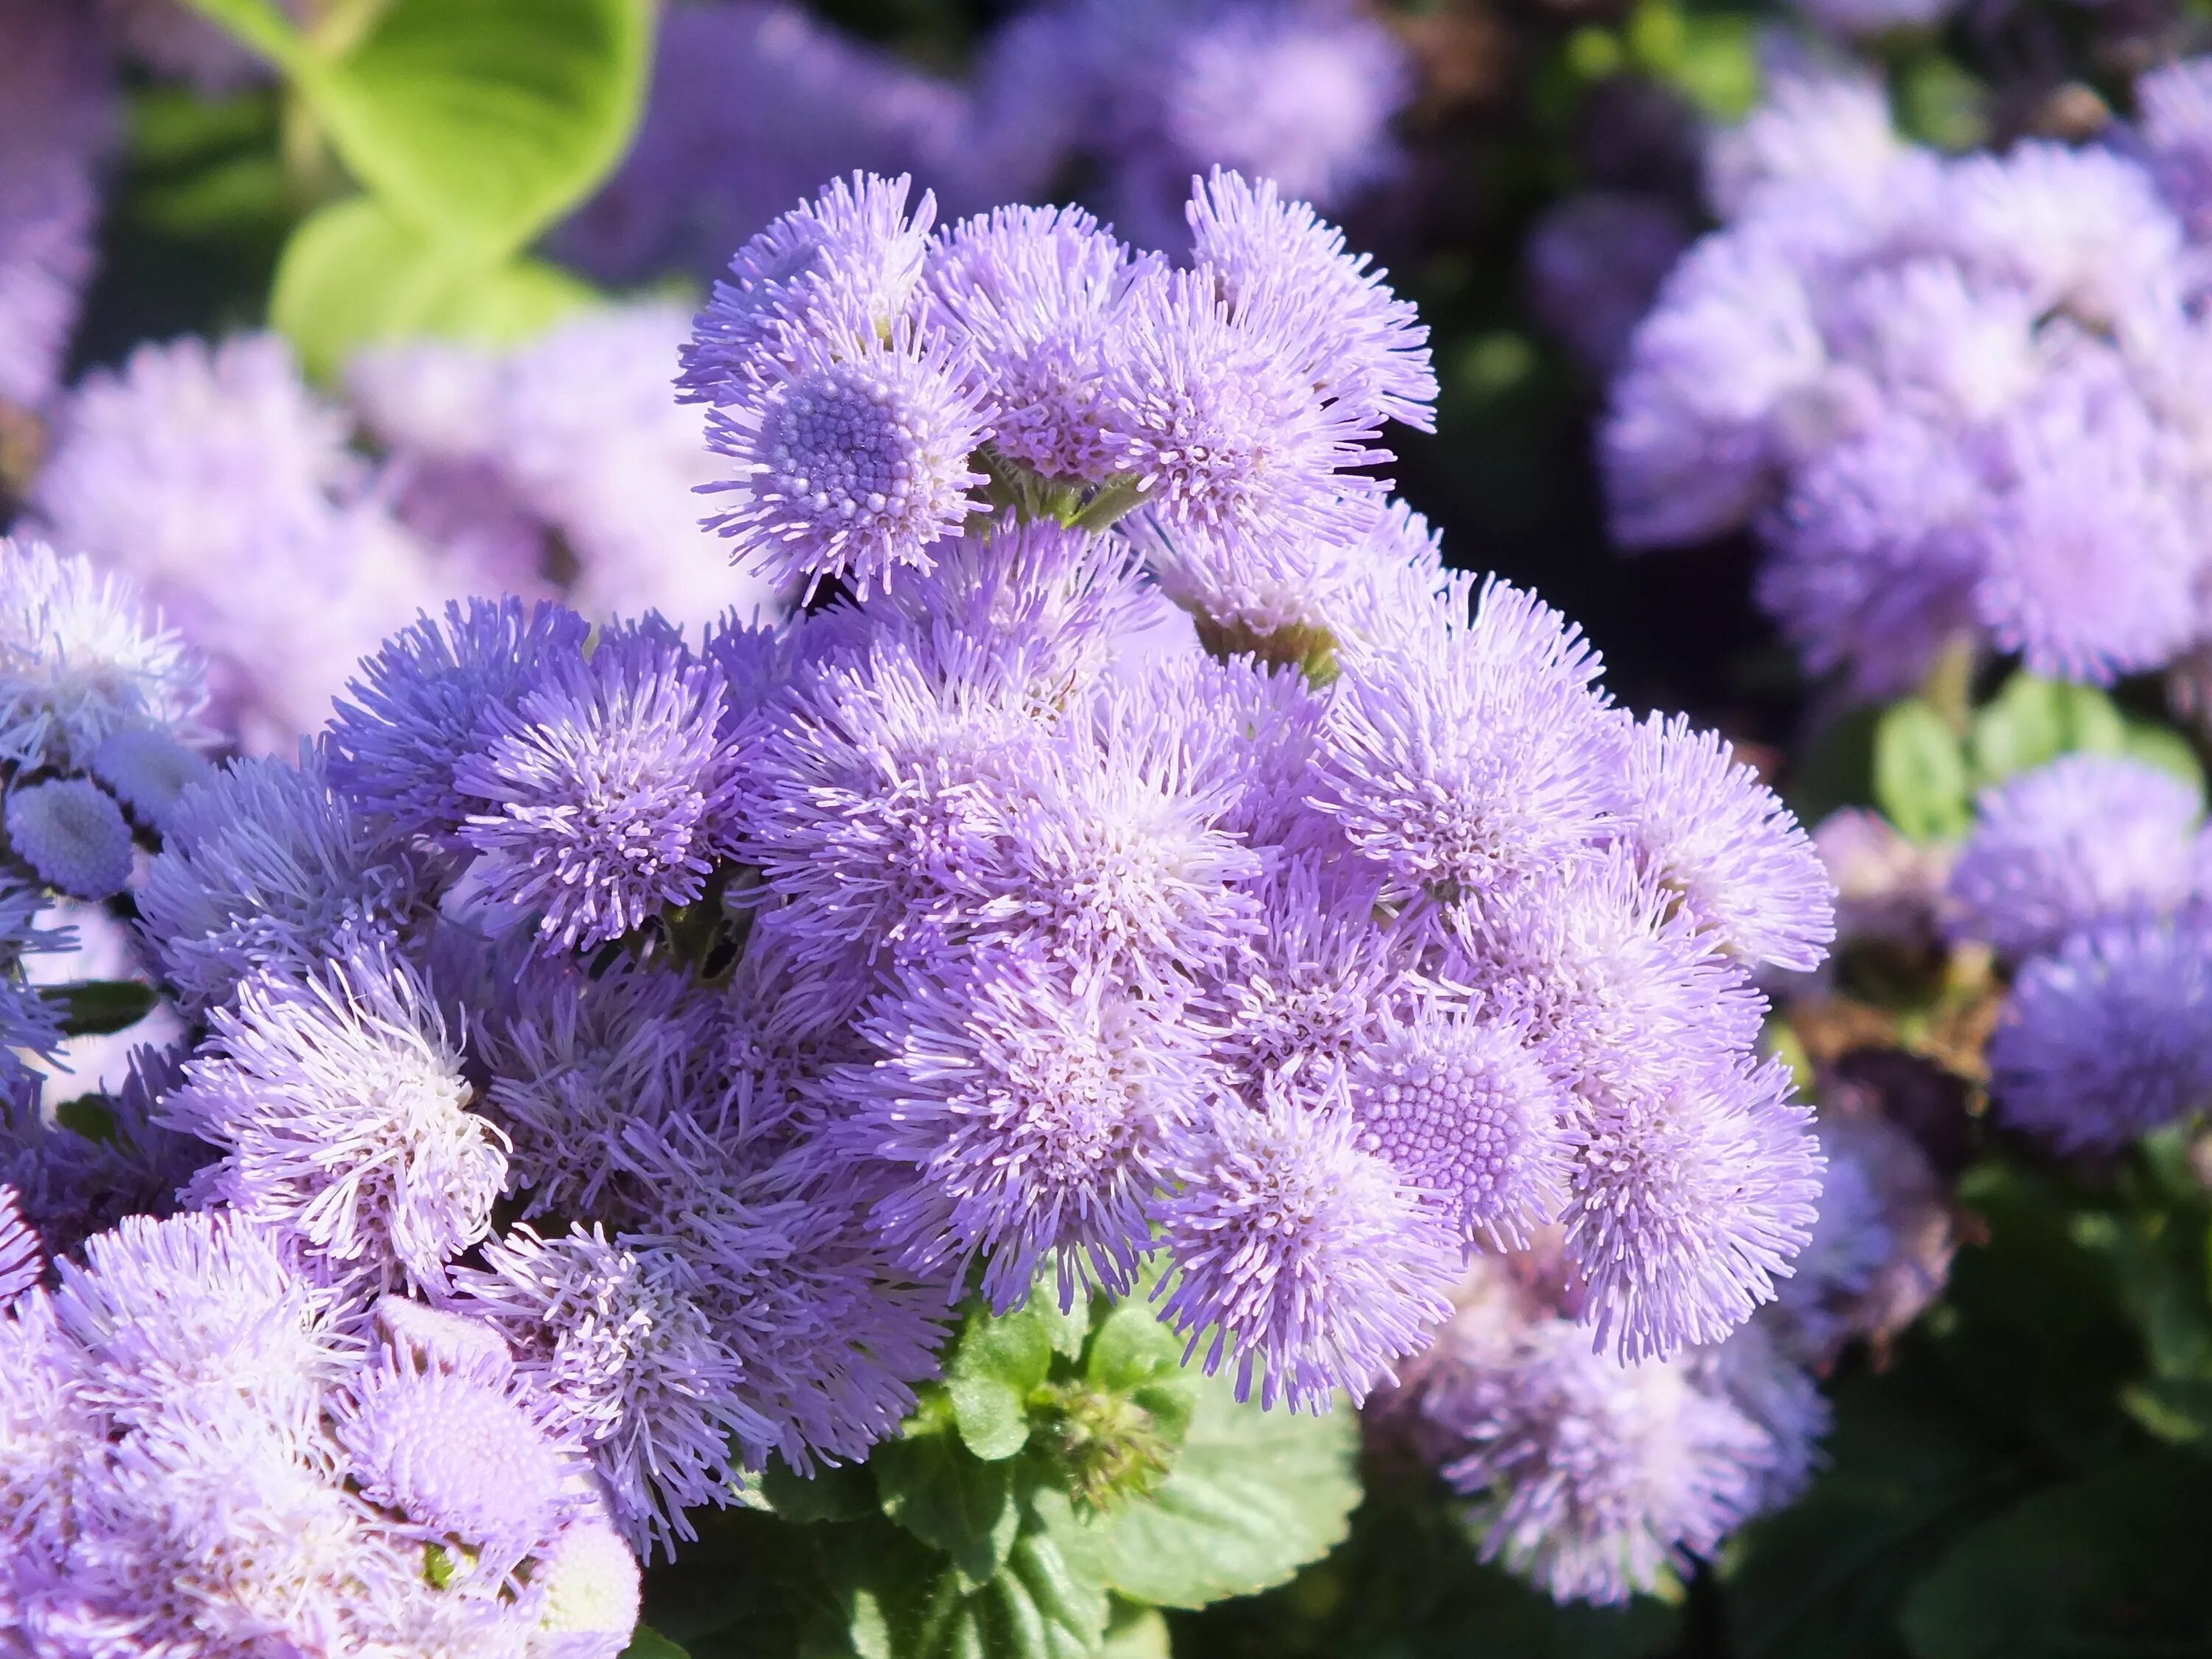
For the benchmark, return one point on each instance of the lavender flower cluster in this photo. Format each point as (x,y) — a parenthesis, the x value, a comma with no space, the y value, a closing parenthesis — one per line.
(1595,1480)
(2091,877)
(1956,397)
(612,1057)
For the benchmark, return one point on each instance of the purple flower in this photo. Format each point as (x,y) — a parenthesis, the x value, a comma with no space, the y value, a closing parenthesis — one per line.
(422,701)
(1705,826)
(577,1063)
(1035,1116)
(263,866)
(338,1103)
(1032,292)
(1685,1209)
(867,785)
(81,661)
(1465,1112)
(1216,418)
(1318,984)
(1475,757)
(1589,1477)
(1310,1260)
(616,1334)
(1592,265)
(22,1257)
(600,794)
(752,105)
(589,1587)
(200,1306)
(1279,267)
(71,833)
(2089,482)
(851,456)
(466,1454)
(2086,839)
(56,116)
(73,1186)
(149,772)
(2173,105)
(838,270)
(2108,1039)
(1686,445)
(1872,562)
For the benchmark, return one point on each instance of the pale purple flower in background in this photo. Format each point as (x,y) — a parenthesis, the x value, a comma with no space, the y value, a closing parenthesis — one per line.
(751,107)
(56,121)
(2086,839)
(1592,263)
(2109,1038)
(226,488)
(1938,389)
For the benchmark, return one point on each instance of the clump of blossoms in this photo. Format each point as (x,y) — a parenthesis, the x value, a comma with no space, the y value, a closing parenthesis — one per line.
(1594,1479)
(2089,878)
(1143,857)
(1957,398)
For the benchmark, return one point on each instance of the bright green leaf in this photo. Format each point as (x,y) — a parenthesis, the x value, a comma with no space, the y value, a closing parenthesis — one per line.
(649,1644)
(1920,772)
(1254,1496)
(835,1491)
(2168,751)
(261,24)
(2115,1562)
(353,275)
(1133,1631)
(2032,721)
(483,121)
(992,1369)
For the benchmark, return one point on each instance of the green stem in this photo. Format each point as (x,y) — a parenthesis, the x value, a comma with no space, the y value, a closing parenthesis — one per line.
(1116,498)
(1949,687)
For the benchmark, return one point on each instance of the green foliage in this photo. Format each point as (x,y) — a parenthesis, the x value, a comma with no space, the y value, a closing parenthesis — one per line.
(354,273)
(475,124)
(480,122)
(2032,721)
(1067,1478)
(649,1644)
(97,1007)
(1920,775)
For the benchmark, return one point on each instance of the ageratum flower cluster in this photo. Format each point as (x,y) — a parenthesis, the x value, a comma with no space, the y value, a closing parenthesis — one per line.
(614,1056)
(2091,876)
(1957,397)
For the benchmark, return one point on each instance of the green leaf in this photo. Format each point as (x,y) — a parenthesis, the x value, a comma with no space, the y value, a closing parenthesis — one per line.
(836,1492)
(482,121)
(2168,751)
(1920,772)
(650,1644)
(1134,1632)
(2115,1562)
(353,274)
(1254,1496)
(944,1495)
(99,1007)
(261,24)
(991,1370)
(2032,720)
